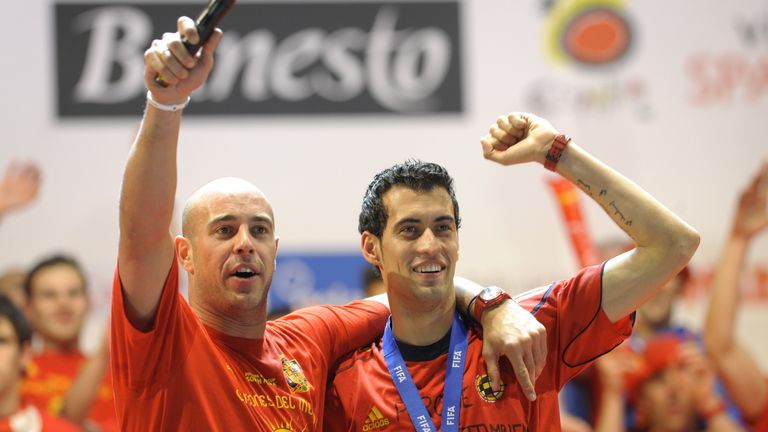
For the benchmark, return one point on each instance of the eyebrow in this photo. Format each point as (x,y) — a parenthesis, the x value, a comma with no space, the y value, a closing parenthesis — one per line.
(407,220)
(231,218)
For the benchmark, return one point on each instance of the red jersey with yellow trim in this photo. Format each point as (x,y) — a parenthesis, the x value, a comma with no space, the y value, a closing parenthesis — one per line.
(49,376)
(362,396)
(31,419)
(184,376)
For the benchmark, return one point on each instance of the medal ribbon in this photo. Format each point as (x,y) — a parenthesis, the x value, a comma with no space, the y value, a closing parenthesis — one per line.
(454,373)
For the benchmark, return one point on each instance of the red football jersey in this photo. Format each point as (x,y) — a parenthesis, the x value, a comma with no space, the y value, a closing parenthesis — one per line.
(362,396)
(49,376)
(184,376)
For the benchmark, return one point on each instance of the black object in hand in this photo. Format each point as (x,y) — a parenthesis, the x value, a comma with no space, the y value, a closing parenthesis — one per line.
(206,23)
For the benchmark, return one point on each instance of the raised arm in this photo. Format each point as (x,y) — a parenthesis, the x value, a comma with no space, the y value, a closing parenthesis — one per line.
(85,387)
(149,182)
(611,368)
(18,186)
(736,367)
(705,400)
(664,242)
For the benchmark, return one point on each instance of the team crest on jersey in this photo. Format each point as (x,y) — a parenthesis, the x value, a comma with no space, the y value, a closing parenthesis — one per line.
(483,386)
(294,376)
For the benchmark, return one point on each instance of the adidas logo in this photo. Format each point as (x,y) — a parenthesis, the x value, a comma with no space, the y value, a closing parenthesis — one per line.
(375,420)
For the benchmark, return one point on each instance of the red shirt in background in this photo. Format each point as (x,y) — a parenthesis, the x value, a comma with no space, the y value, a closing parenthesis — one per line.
(30,419)
(761,423)
(49,376)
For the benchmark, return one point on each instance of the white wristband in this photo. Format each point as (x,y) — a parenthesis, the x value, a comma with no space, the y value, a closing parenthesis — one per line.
(164,107)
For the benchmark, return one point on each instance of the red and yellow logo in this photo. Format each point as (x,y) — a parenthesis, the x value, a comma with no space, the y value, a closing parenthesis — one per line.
(483,386)
(294,376)
(588,32)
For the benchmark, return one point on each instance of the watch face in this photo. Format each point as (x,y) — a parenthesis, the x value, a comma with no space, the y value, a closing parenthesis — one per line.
(490,293)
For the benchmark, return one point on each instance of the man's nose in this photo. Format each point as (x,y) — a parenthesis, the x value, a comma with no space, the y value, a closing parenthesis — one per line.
(243,241)
(428,243)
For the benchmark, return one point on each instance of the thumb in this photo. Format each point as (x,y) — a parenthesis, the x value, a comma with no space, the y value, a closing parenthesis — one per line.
(210,47)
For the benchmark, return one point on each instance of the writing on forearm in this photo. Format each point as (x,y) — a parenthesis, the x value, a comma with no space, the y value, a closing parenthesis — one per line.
(611,207)
(617,212)
(585,187)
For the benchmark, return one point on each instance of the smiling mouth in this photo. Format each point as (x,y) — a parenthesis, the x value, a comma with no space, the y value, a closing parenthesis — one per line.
(428,269)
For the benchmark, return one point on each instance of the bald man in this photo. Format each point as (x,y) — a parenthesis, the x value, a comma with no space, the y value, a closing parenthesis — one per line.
(215,363)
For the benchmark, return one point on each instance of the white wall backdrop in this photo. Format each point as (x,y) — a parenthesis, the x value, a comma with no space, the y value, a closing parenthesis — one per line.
(684,114)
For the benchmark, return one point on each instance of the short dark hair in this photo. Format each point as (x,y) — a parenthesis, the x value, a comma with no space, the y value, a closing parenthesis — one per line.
(413,174)
(17,319)
(52,261)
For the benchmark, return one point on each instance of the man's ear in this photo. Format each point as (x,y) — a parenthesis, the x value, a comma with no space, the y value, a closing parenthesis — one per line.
(277,244)
(184,253)
(370,245)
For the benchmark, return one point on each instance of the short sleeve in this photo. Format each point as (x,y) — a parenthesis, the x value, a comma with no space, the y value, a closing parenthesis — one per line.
(572,309)
(337,330)
(142,360)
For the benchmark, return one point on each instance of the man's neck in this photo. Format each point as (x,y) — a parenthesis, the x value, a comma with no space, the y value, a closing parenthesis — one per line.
(50,345)
(9,400)
(421,353)
(251,326)
(421,327)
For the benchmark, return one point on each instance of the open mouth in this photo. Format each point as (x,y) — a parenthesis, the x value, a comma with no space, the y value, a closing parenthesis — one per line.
(244,273)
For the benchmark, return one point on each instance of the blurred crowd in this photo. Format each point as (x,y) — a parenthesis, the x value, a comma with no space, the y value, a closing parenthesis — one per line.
(665,378)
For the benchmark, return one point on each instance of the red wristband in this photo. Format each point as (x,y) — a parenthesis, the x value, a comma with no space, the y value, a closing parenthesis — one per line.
(555,151)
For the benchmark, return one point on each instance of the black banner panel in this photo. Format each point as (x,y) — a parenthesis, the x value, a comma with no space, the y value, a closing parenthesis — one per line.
(275,58)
